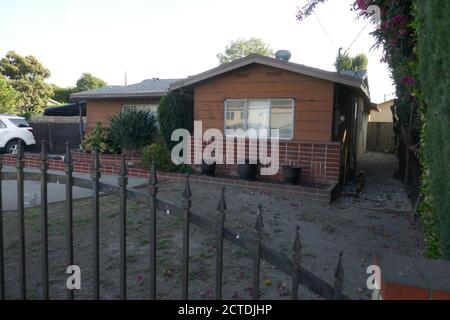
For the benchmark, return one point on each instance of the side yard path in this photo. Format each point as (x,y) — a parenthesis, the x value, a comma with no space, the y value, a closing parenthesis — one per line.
(377,222)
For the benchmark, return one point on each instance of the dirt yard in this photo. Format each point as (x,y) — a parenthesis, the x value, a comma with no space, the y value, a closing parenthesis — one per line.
(380,220)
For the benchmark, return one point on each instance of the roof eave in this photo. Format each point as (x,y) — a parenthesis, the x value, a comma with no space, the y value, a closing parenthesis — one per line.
(118,95)
(284,65)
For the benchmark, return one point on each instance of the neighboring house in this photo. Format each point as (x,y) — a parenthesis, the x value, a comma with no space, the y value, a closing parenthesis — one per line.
(381,136)
(319,113)
(383,112)
(103,103)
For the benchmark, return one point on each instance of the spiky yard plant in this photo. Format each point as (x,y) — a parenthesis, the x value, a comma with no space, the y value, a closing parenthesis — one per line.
(132,130)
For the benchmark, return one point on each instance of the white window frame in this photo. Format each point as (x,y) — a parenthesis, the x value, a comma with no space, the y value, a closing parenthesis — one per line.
(142,106)
(270,114)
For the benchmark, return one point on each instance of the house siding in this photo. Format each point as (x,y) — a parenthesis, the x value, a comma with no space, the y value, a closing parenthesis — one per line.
(102,110)
(311,148)
(313,98)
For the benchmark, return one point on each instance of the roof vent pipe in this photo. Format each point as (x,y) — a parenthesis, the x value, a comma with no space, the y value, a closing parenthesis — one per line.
(284,55)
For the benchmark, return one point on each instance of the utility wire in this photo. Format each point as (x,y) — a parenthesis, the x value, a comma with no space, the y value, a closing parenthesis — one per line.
(357,37)
(326,32)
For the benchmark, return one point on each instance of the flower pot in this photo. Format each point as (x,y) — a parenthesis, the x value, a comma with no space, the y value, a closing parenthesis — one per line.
(208,169)
(291,175)
(247,171)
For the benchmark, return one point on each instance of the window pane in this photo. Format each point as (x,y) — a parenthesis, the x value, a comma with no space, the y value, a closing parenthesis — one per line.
(235,116)
(283,118)
(152,107)
(258,115)
(20,123)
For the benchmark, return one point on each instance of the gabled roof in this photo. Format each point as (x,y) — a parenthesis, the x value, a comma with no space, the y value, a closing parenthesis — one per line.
(147,88)
(353,80)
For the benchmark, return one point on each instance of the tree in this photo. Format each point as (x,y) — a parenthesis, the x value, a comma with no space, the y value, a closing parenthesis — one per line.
(243,47)
(62,94)
(89,82)
(176,111)
(27,76)
(9,98)
(345,62)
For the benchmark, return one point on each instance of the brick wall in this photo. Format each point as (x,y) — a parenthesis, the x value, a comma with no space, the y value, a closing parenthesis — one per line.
(413,278)
(319,160)
(110,165)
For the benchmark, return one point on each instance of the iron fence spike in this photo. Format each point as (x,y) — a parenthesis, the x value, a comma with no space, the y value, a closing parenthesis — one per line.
(259,220)
(123,166)
(68,156)
(187,194)
(153,174)
(222,205)
(44,155)
(20,154)
(339,276)
(297,245)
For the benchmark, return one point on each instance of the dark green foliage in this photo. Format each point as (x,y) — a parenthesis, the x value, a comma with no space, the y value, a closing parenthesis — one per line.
(132,130)
(345,62)
(158,153)
(9,97)
(98,139)
(62,95)
(176,111)
(89,82)
(27,76)
(434,67)
(241,48)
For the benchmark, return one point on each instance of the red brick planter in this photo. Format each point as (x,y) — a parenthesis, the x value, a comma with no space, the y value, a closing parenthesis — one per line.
(110,165)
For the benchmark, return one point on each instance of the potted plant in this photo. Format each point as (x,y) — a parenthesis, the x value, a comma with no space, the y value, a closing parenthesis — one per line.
(247,171)
(291,175)
(208,169)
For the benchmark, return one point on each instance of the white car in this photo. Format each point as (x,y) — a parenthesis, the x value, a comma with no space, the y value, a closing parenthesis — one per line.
(12,130)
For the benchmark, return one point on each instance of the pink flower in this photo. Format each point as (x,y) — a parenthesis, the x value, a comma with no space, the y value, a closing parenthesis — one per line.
(408,81)
(399,20)
(361,5)
(140,277)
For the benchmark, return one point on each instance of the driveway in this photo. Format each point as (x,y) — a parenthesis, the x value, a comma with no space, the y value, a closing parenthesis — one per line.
(56,192)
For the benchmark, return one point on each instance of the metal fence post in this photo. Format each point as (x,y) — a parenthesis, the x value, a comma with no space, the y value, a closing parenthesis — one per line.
(219,243)
(296,258)
(153,191)
(96,175)
(186,204)
(123,182)
(44,220)
(69,210)
(257,255)
(20,163)
(2,261)
(339,278)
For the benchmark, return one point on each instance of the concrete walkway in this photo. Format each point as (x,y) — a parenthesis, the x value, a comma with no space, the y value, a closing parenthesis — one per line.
(56,192)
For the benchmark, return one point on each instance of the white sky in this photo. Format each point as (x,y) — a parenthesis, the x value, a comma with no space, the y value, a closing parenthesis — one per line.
(175,38)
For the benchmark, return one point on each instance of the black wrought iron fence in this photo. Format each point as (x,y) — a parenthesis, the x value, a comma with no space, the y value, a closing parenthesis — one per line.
(252,243)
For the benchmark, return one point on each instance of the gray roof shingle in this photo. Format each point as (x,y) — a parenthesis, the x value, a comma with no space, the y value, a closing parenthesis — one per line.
(147,88)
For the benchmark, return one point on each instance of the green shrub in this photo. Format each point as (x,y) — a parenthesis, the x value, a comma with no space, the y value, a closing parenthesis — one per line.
(158,153)
(434,67)
(176,111)
(99,139)
(132,130)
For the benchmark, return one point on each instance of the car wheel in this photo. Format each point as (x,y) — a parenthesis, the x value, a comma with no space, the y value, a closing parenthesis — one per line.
(12,147)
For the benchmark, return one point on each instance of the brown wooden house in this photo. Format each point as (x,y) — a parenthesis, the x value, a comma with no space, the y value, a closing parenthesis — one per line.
(103,103)
(322,116)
